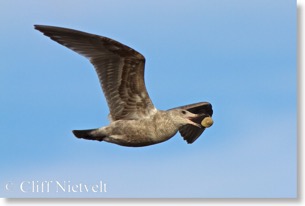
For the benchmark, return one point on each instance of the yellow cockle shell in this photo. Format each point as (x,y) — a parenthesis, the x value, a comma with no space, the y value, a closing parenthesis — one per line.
(207,122)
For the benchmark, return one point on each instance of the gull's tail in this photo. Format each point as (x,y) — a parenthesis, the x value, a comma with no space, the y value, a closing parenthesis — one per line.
(89,134)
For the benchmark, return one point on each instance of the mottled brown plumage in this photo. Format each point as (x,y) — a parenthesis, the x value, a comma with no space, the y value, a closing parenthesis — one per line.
(134,119)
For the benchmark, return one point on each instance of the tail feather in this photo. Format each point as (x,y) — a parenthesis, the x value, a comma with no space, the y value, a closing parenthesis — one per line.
(87,134)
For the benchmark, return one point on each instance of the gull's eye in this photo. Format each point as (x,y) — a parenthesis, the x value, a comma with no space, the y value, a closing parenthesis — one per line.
(183,112)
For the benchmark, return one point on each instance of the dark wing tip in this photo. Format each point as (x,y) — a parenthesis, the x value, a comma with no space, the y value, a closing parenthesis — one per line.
(43,28)
(198,108)
(36,26)
(67,37)
(190,133)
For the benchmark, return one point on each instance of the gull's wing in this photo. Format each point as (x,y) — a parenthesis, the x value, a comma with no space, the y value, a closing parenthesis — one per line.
(120,70)
(190,132)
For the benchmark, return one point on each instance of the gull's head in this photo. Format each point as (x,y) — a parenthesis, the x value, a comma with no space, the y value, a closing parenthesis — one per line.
(182,117)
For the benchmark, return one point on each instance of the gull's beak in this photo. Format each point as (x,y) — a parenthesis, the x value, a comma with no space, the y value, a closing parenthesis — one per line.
(194,123)
(201,120)
(195,120)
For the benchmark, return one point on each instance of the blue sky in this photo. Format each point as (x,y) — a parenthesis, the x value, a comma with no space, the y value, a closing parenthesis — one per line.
(238,55)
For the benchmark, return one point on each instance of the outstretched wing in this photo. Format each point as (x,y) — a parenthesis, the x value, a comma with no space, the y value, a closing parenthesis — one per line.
(120,70)
(190,132)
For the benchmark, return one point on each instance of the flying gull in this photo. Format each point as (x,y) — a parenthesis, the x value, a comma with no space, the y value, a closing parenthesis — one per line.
(134,121)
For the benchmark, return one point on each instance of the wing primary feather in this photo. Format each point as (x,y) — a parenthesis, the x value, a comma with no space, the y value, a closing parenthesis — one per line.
(120,70)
